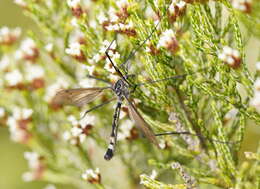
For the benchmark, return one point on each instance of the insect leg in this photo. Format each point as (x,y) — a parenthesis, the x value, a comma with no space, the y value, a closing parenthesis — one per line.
(113,137)
(98,106)
(98,79)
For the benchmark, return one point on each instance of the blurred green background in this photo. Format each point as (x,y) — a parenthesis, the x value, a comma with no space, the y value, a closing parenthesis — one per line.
(13,164)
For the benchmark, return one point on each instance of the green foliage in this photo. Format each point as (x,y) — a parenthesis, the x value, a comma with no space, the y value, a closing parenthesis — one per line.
(211,98)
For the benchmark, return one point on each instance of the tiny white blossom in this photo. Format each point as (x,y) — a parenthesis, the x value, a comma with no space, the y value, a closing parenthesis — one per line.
(91,174)
(9,35)
(230,56)
(4,62)
(258,66)
(54,88)
(154,174)
(34,72)
(33,159)
(28,176)
(102,18)
(257,85)
(22,113)
(125,130)
(231,114)
(28,49)
(73,3)
(122,3)
(13,78)
(49,47)
(21,3)
(2,112)
(112,15)
(74,49)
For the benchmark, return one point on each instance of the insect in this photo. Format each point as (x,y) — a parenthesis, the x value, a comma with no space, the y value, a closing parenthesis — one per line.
(122,89)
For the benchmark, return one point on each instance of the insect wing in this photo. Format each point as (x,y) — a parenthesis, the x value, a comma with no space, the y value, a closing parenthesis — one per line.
(140,122)
(77,97)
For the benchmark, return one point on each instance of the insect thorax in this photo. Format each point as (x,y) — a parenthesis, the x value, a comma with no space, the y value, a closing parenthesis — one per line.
(121,89)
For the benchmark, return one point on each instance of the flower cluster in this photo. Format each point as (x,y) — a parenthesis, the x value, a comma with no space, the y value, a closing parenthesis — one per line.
(9,36)
(21,3)
(92,176)
(242,5)
(76,8)
(35,162)
(75,51)
(230,57)
(14,79)
(127,131)
(28,50)
(193,144)
(18,124)
(77,134)
(51,91)
(35,76)
(116,20)
(176,9)
(168,41)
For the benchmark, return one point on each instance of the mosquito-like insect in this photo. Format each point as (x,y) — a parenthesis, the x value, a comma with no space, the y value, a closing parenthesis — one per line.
(122,89)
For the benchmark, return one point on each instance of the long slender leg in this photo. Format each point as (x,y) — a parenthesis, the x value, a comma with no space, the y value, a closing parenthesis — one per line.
(113,137)
(169,78)
(98,106)
(98,79)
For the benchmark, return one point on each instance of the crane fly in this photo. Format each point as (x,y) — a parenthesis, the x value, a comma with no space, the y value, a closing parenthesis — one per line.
(122,90)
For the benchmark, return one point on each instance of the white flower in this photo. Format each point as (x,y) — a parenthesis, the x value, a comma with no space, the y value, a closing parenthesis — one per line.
(33,159)
(231,114)
(258,66)
(122,3)
(112,15)
(257,85)
(125,130)
(230,56)
(167,40)
(77,131)
(242,5)
(27,49)
(73,3)
(74,49)
(91,174)
(13,78)
(34,72)
(9,35)
(154,174)
(22,113)
(2,112)
(102,18)
(21,3)
(54,88)
(28,176)
(49,47)
(4,62)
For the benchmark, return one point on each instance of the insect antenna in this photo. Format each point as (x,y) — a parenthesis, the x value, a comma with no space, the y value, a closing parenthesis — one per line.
(99,79)
(125,65)
(169,78)
(98,106)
